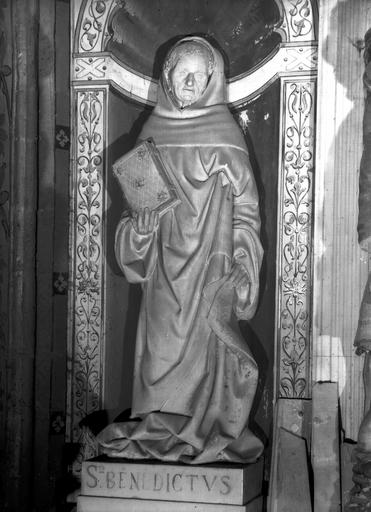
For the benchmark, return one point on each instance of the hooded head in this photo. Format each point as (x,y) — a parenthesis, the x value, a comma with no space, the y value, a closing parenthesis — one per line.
(187,71)
(192,78)
(193,113)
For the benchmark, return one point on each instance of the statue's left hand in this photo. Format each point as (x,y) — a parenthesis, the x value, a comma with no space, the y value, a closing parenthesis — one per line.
(220,313)
(239,276)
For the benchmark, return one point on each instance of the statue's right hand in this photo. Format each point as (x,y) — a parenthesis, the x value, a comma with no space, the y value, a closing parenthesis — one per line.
(145,222)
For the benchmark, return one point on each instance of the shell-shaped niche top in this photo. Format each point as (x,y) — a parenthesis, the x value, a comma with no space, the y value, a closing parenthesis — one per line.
(141,32)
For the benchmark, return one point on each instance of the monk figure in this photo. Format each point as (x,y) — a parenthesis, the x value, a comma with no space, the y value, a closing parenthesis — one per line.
(194,377)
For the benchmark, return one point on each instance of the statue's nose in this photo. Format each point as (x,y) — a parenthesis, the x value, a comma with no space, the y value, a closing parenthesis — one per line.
(190,79)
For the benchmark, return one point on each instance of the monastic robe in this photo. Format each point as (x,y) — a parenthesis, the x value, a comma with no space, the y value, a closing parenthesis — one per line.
(194,377)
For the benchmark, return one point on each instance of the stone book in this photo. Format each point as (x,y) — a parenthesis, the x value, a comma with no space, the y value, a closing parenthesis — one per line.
(144,179)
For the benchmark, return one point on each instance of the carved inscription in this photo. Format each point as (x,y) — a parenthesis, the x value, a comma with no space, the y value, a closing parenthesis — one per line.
(194,484)
(165,482)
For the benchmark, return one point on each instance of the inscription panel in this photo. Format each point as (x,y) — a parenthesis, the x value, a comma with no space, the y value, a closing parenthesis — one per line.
(230,485)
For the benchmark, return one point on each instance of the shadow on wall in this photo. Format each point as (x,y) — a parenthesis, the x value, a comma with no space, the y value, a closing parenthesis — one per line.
(341,261)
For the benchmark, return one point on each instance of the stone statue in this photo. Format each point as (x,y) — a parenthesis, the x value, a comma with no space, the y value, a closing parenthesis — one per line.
(195,378)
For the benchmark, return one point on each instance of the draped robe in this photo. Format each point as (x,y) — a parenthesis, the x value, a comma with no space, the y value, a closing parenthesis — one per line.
(194,375)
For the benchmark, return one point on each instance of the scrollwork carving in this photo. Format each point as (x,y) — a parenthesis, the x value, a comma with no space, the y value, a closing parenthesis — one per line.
(300,17)
(88,259)
(93,25)
(297,24)
(295,269)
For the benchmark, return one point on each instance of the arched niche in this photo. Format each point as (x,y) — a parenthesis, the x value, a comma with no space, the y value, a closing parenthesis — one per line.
(273,99)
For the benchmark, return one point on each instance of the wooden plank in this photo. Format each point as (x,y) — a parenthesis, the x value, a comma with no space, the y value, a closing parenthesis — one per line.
(293,492)
(325,447)
(17,461)
(346,452)
(43,481)
(296,417)
(289,488)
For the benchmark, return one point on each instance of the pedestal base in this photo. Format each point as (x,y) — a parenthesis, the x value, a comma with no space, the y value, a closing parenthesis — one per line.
(116,485)
(94,504)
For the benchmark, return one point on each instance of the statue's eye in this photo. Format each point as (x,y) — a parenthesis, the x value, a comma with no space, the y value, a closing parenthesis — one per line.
(200,75)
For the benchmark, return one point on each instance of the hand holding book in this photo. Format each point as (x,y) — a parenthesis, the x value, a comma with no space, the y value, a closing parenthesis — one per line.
(145,222)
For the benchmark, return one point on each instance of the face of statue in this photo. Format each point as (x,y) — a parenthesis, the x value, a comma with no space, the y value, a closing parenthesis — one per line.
(189,78)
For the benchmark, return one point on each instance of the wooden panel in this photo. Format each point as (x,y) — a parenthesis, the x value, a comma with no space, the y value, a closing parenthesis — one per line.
(45,257)
(20,397)
(325,447)
(289,488)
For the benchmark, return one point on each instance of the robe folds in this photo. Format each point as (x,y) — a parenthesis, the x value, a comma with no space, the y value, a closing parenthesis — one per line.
(194,375)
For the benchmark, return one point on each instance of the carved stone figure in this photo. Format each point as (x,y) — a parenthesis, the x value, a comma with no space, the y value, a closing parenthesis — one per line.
(195,377)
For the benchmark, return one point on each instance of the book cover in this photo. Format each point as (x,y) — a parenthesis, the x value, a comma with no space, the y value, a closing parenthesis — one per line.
(144,179)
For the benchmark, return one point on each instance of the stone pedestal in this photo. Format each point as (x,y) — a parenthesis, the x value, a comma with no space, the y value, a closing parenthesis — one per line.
(115,485)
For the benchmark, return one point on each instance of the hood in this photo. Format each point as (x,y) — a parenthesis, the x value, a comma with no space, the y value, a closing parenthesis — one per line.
(214,93)
(206,122)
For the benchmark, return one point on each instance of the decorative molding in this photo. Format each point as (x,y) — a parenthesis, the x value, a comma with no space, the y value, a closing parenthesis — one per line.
(296,55)
(104,67)
(89,68)
(57,423)
(295,243)
(296,24)
(60,283)
(290,59)
(86,339)
(62,137)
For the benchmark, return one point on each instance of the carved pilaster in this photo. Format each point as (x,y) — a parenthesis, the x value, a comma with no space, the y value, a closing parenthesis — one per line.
(294,262)
(86,330)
